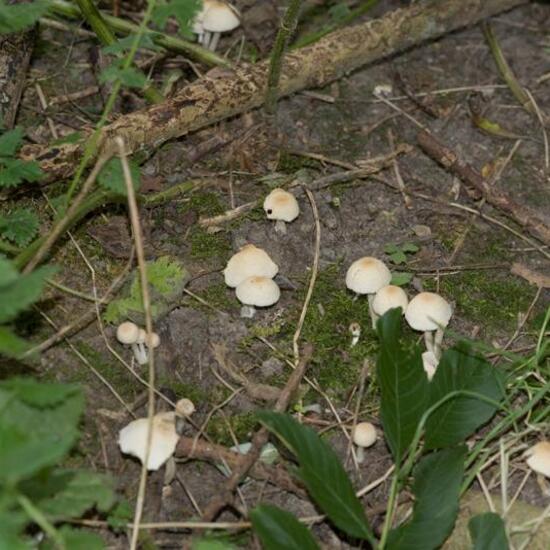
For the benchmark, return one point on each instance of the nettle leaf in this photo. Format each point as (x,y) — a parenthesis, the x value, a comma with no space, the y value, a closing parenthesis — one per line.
(322,473)
(10,344)
(184,11)
(111,176)
(8,272)
(12,524)
(488,532)
(129,76)
(11,140)
(20,293)
(39,394)
(122,45)
(15,171)
(17,17)
(436,489)
(76,539)
(459,417)
(19,226)
(278,529)
(403,383)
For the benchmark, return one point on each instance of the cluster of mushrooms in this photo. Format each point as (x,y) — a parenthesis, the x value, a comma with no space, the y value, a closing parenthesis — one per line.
(129,334)
(251,270)
(214,18)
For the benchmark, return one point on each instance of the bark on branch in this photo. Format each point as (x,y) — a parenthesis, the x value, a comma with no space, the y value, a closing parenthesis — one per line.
(211,99)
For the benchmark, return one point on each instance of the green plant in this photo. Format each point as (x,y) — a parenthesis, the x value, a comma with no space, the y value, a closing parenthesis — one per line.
(425,425)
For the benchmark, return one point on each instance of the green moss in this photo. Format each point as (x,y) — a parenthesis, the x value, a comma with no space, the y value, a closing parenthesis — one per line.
(218,296)
(181,389)
(204,204)
(242,425)
(206,246)
(289,163)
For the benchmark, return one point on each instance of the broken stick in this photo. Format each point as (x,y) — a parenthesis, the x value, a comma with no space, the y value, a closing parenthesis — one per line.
(211,99)
(523,215)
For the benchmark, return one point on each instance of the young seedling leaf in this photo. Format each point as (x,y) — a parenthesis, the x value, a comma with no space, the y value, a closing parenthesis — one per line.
(15,171)
(459,417)
(10,141)
(129,76)
(488,532)
(436,489)
(322,473)
(111,176)
(17,17)
(122,45)
(401,279)
(278,529)
(183,10)
(76,539)
(403,385)
(19,226)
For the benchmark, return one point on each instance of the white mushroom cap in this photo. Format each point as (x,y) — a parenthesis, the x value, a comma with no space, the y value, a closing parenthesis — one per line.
(364,434)
(539,458)
(152,341)
(389,297)
(142,336)
(185,407)
(132,439)
(427,311)
(429,362)
(367,275)
(247,262)
(127,333)
(281,205)
(258,291)
(220,17)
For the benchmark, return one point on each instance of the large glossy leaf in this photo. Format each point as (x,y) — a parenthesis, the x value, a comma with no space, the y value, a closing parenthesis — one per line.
(436,488)
(280,529)
(459,417)
(488,532)
(322,473)
(403,385)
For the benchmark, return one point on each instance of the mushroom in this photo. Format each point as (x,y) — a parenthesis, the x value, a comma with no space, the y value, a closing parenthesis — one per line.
(355,330)
(389,297)
(214,18)
(427,312)
(257,291)
(429,362)
(145,343)
(367,276)
(132,439)
(247,262)
(538,459)
(282,206)
(129,333)
(184,409)
(364,435)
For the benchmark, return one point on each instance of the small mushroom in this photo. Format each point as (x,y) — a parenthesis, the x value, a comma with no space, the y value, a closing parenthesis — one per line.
(247,262)
(128,333)
(132,439)
(429,362)
(538,459)
(184,409)
(429,312)
(282,206)
(364,435)
(367,276)
(257,292)
(215,17)
(389,297)
(355,330)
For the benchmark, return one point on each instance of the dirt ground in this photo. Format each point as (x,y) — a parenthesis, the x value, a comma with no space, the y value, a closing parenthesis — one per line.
(467,258)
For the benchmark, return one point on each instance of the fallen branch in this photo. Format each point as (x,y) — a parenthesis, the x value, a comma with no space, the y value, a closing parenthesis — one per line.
(523,215)
(261,437)
(210,99)
(189,447)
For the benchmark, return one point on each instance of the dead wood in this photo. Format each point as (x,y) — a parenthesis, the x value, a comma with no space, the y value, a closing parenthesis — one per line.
(223,93)
(523,215)
(261,437)
(15,54)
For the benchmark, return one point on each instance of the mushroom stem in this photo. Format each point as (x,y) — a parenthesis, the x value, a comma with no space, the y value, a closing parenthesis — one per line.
(280,227)
(214,41)
(373,315)
(248,312)
(140,353)
(429,340)
(206,39)
(359,454)
(169,471)
(437,342)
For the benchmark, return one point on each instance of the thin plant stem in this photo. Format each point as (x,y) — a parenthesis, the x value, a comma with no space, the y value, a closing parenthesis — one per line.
(392,499)
(40,519)
(288,25)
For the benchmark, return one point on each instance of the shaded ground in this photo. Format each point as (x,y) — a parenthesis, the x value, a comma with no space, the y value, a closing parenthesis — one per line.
(466,258)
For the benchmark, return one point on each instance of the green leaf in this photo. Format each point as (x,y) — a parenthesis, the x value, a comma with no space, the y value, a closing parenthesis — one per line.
(459,417)
(403,383)
(11,140)
(73,137)
(10,344)
(391,248)
(129,76)
(15,171)
(111,176)
(39,394)
(401,279)
(11,526)
(488,532)
(183,10)
(398,257)
(122,45)
(8,273)
(280,529)
(19,226)
(322,473)
(17,17)
(210,543)
(120,515)
(436,489)
(76,539)
(17,295)
(67,494)
(410,247)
